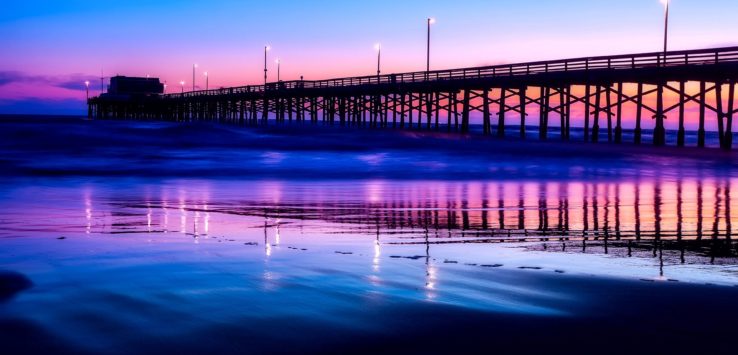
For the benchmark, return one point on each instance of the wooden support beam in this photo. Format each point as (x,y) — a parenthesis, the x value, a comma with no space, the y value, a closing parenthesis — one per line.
(596,123)
(501,118)
(587,91)
(342,110)
(437,108)
(486,125)
(456,111)
(568,113)
(449,111)
(394,110)
(402,110)
(364,110)
(701,129)
(619,120)
(522,96)
(659,131)
(545,104)
(719,104)
(637,133)
(265,112)
(410,111)
(728,136)
(682,131)
(385,105)
(465,117)
(428,109)
(562,114)
(290,108)
(542,114)
(608,104)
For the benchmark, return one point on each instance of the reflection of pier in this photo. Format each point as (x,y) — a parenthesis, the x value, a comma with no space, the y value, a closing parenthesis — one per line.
(694,215)
(607,90)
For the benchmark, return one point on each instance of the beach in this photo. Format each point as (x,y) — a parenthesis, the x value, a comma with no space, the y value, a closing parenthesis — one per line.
(151,237)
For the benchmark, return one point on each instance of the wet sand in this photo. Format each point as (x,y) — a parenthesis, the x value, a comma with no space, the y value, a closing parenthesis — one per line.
(91,297)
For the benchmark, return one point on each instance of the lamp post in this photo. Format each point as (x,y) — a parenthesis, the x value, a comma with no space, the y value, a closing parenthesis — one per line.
(207,81)
(194,66)
(659,131)
(181,83)
(267,48)
(378,48)
(279,63)
(666,24)
(87,89)
(431,21)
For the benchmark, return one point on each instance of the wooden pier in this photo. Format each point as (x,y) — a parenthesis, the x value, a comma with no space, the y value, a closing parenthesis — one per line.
(445,100)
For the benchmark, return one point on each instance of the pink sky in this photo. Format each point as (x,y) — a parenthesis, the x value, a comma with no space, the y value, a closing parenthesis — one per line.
(56,47)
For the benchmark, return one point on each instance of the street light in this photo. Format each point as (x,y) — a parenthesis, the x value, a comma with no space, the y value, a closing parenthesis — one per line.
(87,88)
(378,48)
(659,131)
(279,62)
(666,25)
(431,21)
(194,66)
(207,81)
(267,48)
(182,84)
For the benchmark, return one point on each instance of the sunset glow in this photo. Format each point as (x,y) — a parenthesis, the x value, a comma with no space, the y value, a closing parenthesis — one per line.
(54,47)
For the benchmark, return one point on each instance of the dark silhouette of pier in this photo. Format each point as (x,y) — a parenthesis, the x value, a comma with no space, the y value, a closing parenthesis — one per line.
(445,100)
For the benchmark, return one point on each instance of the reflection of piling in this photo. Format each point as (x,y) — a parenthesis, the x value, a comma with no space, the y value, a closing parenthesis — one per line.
(637,210)
(521,207)
(657,211)
(680,212)
(699,212)
(618,215)
(617,212)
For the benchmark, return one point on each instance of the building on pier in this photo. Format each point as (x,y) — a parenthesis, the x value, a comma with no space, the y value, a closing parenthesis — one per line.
(134,86)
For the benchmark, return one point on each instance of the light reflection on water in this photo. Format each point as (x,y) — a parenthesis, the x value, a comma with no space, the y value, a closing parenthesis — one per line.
(455,212)
(668,222)
(220,254)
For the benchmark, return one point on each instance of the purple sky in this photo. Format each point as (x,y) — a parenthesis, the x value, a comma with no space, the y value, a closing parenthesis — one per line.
(50,47)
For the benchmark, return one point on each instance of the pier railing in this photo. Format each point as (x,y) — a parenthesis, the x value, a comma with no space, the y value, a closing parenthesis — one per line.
(618,62)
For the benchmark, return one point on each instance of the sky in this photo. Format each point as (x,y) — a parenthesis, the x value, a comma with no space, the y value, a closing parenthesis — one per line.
(51,47)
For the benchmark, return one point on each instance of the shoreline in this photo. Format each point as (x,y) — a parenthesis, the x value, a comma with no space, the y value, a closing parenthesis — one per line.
(151,149)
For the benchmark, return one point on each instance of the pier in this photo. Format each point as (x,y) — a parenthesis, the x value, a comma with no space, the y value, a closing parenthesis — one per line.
(445,100)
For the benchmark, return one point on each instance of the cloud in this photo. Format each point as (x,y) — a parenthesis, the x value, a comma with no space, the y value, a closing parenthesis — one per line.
(8,77)
(74,81)
(43,107)
(70,81)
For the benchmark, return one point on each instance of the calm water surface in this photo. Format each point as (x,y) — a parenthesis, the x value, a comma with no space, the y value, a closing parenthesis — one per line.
(143,263)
